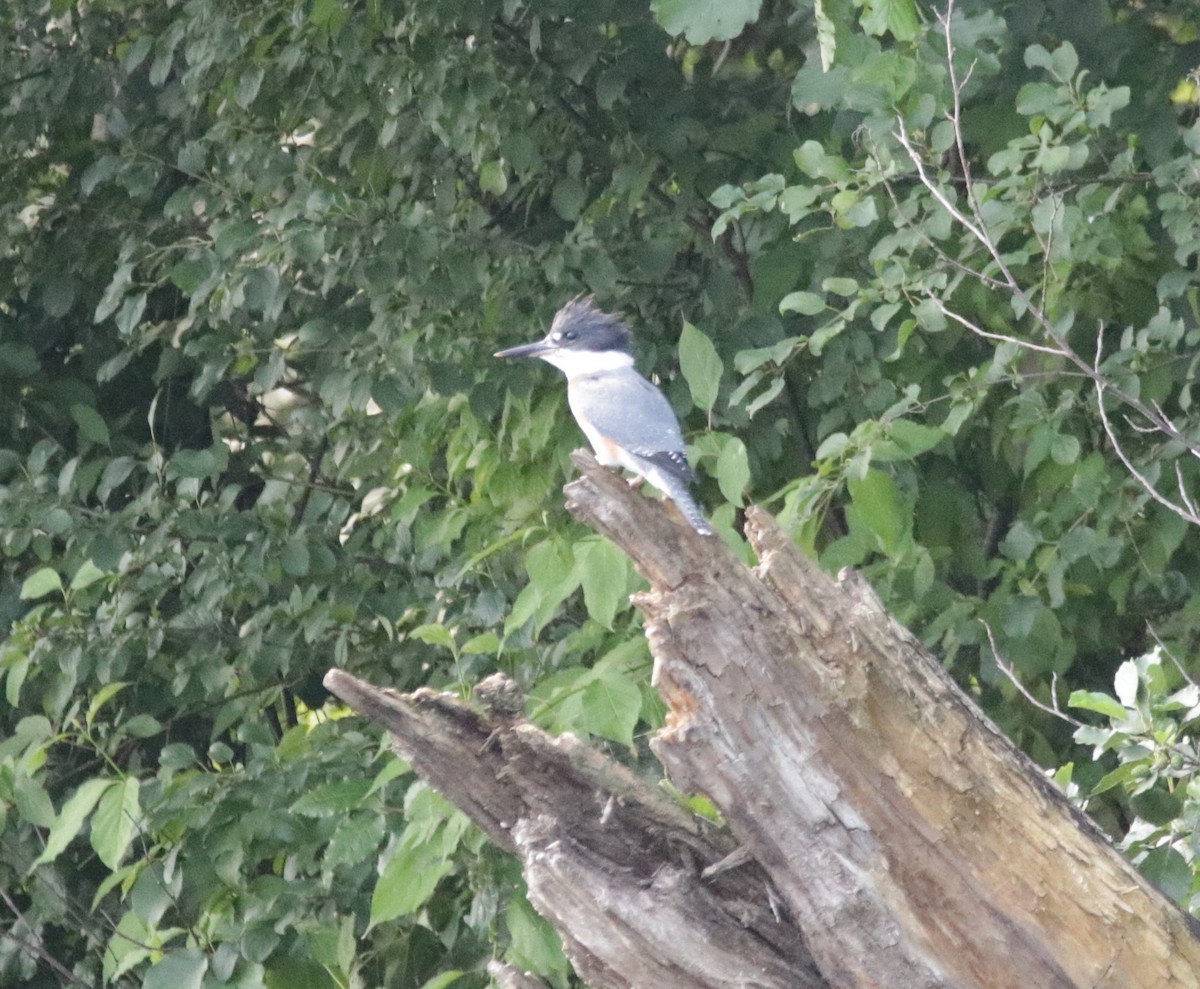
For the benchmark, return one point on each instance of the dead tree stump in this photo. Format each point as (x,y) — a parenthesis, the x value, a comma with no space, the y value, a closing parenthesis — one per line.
(884,833)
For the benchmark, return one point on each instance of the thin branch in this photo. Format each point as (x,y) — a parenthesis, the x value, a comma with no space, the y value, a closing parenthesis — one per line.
(956,90)
(1143,481)
(984,279)
(721,57)
(979,227)
(1170,655)
(1007,670)
(999,337)
(1183,495)
(934,189)
(35,947)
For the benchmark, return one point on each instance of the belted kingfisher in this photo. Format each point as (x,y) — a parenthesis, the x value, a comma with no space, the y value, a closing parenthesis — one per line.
(626,419)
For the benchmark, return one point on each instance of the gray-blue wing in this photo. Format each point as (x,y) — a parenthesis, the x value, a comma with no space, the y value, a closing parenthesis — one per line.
(630,411)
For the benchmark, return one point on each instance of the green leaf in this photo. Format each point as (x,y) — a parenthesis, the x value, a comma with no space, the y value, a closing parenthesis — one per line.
(102,697)
(128,946)
(394,769)
(492,178)
(295,558)
(1040,443)
(114,822)
(58,295)
(193,463)
(91,426)
(356,840)
(18,360)
(1157,806)
(142,726)
(812,159)
(568,197)
(483,644)
(1091,700)
(834,445)
(177,970)
(896,17)
(553,576)
(1121,776)
(40,583)
(702,21)
(114,293)
(733,470)
(445,979)
(408,881)
(701,366)
(805,303)
(190,273)
(909,440)
(1127,682)
(87,574)
(118,469)
(32,801)
(309,245)
(817,86)
(880,507)
(612,704)
(765,397)
(70,820)
(1038,98)
(1065,449)
(604,573)
(533,943)
(434,635)
(248,86)
(1170,872)
(130,314)
(844,287)
(332,799)
(826,33)
(1020,542)
(1062,64)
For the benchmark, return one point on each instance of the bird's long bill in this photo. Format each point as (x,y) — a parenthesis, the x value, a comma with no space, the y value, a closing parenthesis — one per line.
(535,349)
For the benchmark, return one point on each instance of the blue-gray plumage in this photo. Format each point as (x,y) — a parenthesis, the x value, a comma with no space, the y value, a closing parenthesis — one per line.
(626,419)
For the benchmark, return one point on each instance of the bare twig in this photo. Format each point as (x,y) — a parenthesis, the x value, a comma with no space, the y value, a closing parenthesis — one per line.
(982,277)
(1006,668)
(1144,482)
(720,60)
(999,337)
(1170,655)
(35,947)
(1183,495)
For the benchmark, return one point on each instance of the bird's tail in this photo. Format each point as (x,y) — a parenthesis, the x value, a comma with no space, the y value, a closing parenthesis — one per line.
(677,490)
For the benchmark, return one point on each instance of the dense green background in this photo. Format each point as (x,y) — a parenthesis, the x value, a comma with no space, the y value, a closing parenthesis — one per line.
(254,259)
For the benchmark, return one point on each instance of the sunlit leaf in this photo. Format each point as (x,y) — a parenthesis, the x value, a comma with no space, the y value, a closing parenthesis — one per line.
(701,366)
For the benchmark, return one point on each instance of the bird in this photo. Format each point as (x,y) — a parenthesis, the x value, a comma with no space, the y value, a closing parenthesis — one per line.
(627,420)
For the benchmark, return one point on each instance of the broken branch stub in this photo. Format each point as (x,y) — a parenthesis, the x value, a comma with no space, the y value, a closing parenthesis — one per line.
(610,860)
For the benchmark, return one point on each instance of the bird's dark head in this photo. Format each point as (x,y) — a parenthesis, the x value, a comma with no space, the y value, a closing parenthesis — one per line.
(582,340)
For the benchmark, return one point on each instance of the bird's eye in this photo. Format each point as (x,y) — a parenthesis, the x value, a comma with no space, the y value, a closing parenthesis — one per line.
(570,335)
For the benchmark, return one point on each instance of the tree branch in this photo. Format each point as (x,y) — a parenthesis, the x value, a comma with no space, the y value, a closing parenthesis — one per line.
(610,860)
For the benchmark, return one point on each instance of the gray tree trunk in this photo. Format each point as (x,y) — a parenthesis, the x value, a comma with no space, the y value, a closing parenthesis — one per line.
(884,834)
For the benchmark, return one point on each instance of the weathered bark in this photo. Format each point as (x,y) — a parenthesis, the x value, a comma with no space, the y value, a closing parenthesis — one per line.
(609,859)
(913,845)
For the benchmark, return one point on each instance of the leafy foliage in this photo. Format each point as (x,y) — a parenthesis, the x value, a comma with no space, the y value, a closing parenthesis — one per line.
(1151,735)
(255,258)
